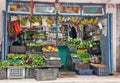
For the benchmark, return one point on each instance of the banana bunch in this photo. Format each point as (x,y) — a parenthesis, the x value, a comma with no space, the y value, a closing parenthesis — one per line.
(96,20)
(32,19)
(23,21)
(84,21)
(38,19)
(74,19)
(90,21)
(61,19)
(49,21)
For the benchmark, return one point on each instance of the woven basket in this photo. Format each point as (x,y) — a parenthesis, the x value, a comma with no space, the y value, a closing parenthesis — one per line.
(46,74)
(3,73)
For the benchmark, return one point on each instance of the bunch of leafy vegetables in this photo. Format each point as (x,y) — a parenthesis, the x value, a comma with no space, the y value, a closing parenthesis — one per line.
(38,60)
(5,64)
(79,43)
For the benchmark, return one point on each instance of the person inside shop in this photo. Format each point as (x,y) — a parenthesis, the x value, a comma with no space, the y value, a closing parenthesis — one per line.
(19,39)
(72,32)
(32,38)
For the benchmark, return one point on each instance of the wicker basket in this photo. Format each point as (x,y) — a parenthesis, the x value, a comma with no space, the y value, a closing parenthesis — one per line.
(53,63)
(3,73)
(16,72)
(17,49)
(34,48)
(46,74)
(29,73)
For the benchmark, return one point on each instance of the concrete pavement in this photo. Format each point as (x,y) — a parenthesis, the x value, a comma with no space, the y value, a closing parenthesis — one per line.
(79,79)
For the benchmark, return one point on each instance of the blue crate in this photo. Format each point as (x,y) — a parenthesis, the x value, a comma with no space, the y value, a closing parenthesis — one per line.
(101,71)
(82,71)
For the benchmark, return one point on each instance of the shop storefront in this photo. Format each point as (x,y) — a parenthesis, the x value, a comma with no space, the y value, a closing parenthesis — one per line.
(73,32)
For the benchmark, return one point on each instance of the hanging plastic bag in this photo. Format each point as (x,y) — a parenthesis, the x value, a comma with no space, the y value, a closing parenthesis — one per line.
(17,28)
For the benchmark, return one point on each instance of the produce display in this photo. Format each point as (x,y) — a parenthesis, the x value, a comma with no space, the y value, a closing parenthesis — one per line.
(34,19)
(49,21)
(38,60)
(79,43)
(35,44)
(5,64)
(17,59)
(23,21)
(49,48)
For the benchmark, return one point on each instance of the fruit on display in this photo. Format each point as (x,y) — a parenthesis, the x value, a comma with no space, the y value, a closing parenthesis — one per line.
(16,56)
(61,19)
(38,19)
(23,21)
(49,21)
(74,19)
(90,21)
(31,19)
(49,48)
(34,19)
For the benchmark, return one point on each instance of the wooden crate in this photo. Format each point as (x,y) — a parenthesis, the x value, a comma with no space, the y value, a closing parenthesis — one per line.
(3,73)
(17,49)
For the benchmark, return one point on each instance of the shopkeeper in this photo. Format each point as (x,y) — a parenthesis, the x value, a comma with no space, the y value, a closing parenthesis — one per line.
(32,38)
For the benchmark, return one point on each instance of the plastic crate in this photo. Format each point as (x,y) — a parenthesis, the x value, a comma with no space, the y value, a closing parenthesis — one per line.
(82,71)
(17,49)
(3,73)
(15,72)
(53,63)
(100,69)
(50,54)
(46,74)
(29,72)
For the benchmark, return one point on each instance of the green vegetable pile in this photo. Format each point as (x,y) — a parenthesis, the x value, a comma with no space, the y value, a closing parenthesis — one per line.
(5,64)
(38,60)
(79,43)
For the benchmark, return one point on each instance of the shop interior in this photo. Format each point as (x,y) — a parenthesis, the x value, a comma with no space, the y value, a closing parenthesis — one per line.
(76,39)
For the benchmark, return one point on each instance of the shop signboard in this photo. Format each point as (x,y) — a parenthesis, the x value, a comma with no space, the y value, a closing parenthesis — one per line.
(93,10)
(44,8)
(68,10)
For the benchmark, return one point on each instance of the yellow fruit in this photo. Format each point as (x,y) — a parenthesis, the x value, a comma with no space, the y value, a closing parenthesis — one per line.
(44,49)
(49,47)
